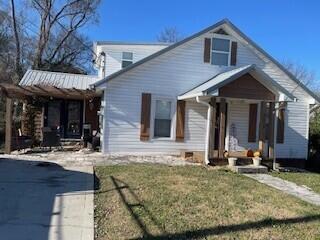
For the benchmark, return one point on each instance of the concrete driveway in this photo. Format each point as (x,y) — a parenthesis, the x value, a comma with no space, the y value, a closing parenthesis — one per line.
(40,201)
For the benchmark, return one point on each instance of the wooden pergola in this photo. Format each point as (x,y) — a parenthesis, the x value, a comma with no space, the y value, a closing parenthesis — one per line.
(26,92)
(13,91)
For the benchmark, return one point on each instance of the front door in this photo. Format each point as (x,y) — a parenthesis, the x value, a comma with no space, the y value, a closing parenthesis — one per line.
(66,116)
(73,119)
(53,114)
(217,126)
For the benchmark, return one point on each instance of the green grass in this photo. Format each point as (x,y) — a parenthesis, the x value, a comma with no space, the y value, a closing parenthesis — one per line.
(311,180)
(162,202)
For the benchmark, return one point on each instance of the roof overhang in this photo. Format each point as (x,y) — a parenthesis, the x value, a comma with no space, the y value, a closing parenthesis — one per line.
(211,87)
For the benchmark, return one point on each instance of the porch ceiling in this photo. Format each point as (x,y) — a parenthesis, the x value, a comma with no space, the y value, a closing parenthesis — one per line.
(25,92)
(213,86)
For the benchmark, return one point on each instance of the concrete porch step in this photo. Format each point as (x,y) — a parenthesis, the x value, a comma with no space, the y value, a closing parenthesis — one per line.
(249,169)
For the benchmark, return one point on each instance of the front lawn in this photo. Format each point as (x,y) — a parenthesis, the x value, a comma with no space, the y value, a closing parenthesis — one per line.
(310,180)
(162,202)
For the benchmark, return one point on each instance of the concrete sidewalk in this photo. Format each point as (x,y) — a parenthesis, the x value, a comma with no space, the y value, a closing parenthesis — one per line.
(45,201)
(288,187)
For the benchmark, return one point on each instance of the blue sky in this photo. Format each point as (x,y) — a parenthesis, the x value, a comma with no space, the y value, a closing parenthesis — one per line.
(287,29)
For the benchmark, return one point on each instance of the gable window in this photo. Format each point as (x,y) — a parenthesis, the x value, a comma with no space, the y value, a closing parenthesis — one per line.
(127,59)
(220,51)
(163,118)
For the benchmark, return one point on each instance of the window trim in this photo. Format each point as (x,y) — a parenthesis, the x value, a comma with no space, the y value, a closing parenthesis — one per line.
(172,113)
(222,37)
(126,59)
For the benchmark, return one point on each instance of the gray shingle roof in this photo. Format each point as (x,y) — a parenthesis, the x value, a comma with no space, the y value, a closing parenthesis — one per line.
(58,79)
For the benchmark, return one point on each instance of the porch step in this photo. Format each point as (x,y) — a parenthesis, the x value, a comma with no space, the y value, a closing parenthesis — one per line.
(249,169)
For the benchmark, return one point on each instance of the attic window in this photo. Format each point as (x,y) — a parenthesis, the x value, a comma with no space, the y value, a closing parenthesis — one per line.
(221,31)
(220,51)
(127,59)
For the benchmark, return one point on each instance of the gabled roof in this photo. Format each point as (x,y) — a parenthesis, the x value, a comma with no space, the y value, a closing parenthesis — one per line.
(152,56)
(220,23)
(58,79)
(213,84)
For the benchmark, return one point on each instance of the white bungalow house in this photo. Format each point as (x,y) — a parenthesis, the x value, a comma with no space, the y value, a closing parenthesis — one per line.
(212,92)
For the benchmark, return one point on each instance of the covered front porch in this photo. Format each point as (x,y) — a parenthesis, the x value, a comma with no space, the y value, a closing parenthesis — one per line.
(52,108)
(245,115)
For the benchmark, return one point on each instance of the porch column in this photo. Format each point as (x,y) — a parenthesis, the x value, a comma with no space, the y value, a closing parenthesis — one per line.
(271,130)
(222,130)
(8,136)
(277,107)
(212,127)
(262,128)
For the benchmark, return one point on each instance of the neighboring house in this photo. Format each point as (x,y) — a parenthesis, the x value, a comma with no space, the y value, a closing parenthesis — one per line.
(210,92)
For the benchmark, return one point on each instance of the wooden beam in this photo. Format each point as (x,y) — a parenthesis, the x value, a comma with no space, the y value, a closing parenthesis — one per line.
(79,91)
(42,89)
(271,117)
(24,89)
(212,127)
(262,127)
(17,91)
(8,136)
(4,91)
(62,91)
(222,130)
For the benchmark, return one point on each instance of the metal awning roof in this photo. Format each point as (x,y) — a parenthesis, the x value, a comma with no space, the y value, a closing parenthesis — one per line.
(51,84)
(58,79)
(211,86)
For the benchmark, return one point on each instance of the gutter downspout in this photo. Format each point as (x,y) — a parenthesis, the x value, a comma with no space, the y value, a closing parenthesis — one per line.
(206,157)
(103,54)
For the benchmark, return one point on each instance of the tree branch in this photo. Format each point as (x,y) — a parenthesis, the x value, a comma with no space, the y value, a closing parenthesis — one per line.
(18,67)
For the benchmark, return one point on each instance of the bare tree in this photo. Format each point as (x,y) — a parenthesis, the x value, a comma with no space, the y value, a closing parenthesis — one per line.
(302,73)
(7,51)
(18,67)
(73,55)
(60,21)
(169,35)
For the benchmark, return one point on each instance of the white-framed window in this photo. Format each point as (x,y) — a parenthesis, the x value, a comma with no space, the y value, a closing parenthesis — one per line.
(220,51)
(127,59)
(163,109)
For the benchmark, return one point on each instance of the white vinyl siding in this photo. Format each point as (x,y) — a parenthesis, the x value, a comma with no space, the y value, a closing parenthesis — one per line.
(114,54)
(122,130)
(176,72)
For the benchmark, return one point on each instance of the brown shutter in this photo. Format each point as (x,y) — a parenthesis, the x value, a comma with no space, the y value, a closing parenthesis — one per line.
(280,126)
(207,50)
(252,131)
(181,106)
(145,116)
(234,46)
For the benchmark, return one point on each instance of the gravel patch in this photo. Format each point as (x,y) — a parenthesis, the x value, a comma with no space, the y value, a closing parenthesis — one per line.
(88,158)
